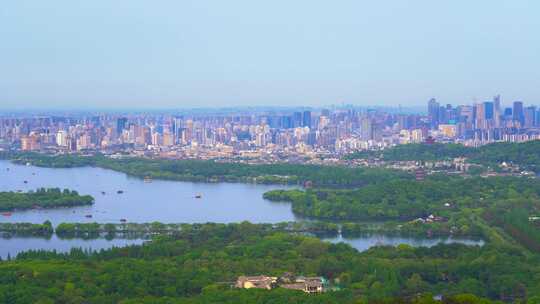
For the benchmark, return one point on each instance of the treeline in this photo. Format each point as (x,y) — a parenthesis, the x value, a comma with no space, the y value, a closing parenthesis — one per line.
(200,263)
(148,230)
(26,229)
(453,228)
(212,171)
(526,155)
(417,152)
(43,198)
(316,228)
(255,296)
(395,199)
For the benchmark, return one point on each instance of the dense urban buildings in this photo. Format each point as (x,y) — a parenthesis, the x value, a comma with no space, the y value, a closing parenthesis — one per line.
(270,134)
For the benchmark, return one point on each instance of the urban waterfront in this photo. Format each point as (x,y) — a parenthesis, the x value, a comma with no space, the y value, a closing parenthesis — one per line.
(162,201)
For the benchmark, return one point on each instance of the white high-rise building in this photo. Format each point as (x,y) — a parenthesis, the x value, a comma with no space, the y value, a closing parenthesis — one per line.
(62,138)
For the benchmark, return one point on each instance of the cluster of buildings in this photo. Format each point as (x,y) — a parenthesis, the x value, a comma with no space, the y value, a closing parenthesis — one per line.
(269,135)
(485,122)
(287,281)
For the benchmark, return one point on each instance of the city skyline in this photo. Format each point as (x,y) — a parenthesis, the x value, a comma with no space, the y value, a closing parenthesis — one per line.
(270,135)
(120,54)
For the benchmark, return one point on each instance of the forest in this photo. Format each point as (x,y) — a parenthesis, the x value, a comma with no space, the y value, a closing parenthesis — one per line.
(525,155)
(199,263)
(407,199)
(439,205)
(213,171)
(43,198)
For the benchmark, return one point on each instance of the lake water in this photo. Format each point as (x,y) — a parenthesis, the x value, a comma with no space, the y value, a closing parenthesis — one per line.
(14,245)
(163,201)
(365,242)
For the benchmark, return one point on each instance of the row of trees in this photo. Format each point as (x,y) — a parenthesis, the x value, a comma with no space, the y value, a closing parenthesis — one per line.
(148,230)
(27,229)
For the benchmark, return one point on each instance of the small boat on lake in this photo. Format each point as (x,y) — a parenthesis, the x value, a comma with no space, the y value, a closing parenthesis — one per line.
(147,179)
(123,220)
(88,216)
(120,191)
(6,213)
(26,182)
(103,192)
(198,195)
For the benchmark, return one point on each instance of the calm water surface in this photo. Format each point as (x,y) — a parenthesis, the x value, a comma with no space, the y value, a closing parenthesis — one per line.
(12,246)
(163,201)
(365,242)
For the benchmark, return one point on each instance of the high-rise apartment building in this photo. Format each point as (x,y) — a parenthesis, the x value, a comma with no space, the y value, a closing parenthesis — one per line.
(518,114)
(433,112)
(121,124)
(306,119)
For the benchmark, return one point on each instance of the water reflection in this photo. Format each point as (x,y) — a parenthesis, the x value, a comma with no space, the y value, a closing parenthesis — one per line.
(364,242)
(14,245)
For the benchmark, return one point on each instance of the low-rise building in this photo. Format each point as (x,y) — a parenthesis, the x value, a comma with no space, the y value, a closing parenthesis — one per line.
(263,282)
(305,284)
(308,285)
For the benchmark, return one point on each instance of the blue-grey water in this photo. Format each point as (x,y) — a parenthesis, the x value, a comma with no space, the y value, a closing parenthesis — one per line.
(13,246)
(365,242)
(141,202)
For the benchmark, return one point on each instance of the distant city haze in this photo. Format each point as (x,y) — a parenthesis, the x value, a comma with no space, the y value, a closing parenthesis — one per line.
(202,53)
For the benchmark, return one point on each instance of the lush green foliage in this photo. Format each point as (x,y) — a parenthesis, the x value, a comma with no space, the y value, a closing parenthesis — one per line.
(254,296)
(460,227)
(26,229)
(517,221)
(526,155)
(200,262)
(407,199)
(211,171)
(422,152)
(43,198)
(95,230)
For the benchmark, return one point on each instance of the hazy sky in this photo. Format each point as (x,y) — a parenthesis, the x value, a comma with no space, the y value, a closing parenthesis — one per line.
(180,53)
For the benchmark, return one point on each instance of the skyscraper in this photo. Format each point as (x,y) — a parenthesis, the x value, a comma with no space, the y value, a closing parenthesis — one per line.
(433,112)
(489,110)
(480,116)
(297,119)
(306,119)
(366,129)
(517,113)
(530,117)
(121,125)
(497,111)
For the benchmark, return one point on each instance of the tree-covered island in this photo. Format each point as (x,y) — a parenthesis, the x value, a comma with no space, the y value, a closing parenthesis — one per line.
(43,198)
